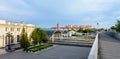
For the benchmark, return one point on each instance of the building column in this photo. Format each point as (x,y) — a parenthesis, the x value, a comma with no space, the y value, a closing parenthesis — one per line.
(52,38)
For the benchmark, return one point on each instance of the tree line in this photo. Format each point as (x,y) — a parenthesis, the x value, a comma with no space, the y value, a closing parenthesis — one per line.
(117,26)
(86,30)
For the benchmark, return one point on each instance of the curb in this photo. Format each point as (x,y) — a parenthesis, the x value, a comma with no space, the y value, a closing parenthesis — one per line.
(79,45)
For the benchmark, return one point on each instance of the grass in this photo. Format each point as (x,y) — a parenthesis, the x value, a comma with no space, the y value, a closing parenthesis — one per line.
(39,48)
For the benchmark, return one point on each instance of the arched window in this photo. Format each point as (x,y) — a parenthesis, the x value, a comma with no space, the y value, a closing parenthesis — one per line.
(18,38)
(12,39)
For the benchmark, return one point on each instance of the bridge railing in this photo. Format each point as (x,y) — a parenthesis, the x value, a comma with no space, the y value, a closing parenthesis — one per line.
(94,50)
(114,34)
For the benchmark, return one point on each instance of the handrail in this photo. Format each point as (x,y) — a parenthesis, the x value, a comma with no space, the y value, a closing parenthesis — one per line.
(94,50)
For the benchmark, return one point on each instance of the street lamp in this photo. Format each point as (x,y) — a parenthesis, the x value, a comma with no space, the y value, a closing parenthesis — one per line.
(3,39)
(97,27)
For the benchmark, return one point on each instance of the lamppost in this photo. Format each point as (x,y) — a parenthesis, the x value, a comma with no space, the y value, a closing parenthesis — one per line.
(9,39)
(97,27)
(3,39)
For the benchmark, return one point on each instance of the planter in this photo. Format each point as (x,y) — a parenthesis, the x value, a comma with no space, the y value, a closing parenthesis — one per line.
(38,48)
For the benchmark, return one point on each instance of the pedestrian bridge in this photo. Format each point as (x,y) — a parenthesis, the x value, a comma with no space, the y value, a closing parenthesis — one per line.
(106,46)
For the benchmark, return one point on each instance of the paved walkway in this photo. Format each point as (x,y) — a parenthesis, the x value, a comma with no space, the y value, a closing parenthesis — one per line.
(109,47)
(58,52)
(2,51)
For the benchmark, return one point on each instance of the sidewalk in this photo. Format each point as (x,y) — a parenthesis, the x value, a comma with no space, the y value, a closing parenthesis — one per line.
(109,47)
(2,51)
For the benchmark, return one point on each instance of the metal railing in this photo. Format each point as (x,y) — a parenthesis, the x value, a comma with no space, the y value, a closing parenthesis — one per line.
(94,50)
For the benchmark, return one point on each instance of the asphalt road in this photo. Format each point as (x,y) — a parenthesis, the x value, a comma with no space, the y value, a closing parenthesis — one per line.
(57,52)
(109,47)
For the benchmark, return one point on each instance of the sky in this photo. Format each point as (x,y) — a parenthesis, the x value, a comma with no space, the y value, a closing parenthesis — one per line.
(47,13)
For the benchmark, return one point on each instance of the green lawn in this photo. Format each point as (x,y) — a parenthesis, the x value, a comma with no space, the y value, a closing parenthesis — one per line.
(39,48)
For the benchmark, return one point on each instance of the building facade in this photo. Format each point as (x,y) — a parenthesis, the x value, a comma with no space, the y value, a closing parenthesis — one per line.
(10,32)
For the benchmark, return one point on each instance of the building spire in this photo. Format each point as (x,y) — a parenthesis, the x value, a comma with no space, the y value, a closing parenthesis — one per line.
(58,26)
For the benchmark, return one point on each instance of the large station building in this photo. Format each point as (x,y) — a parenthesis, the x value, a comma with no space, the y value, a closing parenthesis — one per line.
(10,32)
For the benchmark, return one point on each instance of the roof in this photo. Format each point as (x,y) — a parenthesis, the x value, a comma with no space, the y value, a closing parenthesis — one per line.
(57,32)
(49,32)
(65,32)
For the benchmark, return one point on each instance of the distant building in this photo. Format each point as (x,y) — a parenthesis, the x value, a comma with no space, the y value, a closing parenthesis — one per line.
(77,27)
(58,27)
(50,34)
(72,27)
(57,34)
(71,33)
(14,29)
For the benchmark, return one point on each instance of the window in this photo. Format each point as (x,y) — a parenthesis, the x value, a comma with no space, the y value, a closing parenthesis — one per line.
(18,29)
(18,38)
(6,29)
(12,29)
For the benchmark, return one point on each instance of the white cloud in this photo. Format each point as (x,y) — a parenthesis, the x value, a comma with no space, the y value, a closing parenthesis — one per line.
(4,8)
(88,6)
(104,21)
(16,7)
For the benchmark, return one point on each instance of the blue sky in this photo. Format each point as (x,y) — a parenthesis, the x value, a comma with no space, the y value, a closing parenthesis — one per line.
(47,13)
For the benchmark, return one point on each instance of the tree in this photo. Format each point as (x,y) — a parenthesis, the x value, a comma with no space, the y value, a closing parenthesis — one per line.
(44,36)
(86,30)
(90,30)
(24,40)
(113,27)
(80,30)
(38,36)
(118,26)
(35,36)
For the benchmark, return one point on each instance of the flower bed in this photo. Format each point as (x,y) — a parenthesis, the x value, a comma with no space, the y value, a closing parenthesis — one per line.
(39,48)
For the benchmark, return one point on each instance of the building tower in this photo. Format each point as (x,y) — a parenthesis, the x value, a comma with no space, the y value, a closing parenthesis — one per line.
(58,26)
